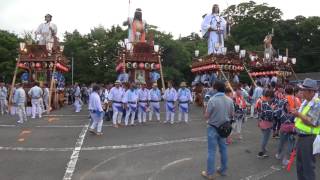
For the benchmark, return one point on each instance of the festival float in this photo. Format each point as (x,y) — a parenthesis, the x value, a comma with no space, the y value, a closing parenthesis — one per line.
(138,60)
(45,64)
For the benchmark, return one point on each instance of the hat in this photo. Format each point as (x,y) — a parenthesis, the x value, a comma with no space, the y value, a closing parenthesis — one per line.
(138,10)
(48,15)
(183,84)
(117,82)
(309,84)
(154,84)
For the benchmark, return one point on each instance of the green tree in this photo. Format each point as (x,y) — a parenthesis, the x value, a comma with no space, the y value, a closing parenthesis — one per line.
(8,54)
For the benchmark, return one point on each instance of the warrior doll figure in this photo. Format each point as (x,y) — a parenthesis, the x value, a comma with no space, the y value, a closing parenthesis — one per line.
(137,27)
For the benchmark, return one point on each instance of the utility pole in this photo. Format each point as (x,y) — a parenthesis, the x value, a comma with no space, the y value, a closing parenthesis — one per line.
(72,69)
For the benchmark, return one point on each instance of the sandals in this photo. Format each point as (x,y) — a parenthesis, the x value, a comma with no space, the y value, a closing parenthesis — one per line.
(205,175)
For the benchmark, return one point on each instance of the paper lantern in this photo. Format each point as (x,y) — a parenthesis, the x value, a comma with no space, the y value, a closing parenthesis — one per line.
(147,66)
(129,65)
(157,66)
(141,65)
(134,65)
(38,65)
(152,66)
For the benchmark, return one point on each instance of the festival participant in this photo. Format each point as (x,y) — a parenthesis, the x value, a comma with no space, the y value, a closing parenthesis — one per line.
(240,106)
(287,131)
(47,31)
(137,27)
(77,95)
(96,111)
(3,98)
(130,103)
(307,124)
(170,97)
(184,98)
(143,105)
(35,93)
(257,93)
(46,97)
(115,97)
(154,99)
(213,28)
(266,118)
(220,110)
(19,100)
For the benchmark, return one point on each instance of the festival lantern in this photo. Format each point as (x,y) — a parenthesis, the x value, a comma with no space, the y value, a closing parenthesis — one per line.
(134,65)
(129,65)
(22,46)
(158,66)
(147,65)
(32,64)
(141,66)
(236,48)
(293,60)
(152,66)
(38,65)
(196,53)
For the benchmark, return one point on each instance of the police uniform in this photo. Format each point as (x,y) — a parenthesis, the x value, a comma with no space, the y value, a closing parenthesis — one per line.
(305,161)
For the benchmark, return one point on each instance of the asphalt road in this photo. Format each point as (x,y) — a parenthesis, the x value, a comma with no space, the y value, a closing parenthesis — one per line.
(59,147)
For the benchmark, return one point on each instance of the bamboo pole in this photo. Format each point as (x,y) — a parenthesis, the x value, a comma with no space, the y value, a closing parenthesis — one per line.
(51,87)
(225,77)
(161,74)
(252,80)
(13,84)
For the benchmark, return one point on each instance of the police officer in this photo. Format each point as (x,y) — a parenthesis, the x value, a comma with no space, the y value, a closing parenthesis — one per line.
(307,124)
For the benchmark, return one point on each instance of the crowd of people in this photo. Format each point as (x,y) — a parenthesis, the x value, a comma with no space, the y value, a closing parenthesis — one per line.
(288,112)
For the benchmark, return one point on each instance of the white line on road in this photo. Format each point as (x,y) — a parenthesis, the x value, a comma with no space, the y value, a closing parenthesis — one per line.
(167,166)
(75,154)
(262,174)
(114,147)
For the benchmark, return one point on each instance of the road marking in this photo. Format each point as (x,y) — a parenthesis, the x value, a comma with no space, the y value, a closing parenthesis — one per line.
(105,161)
(198,139)
(23,135)
(263,174)
(114,147)
(66,115)
(163,168)
(75,154)
(51,119)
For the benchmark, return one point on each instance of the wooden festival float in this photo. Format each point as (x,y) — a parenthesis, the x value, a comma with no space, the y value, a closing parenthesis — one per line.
(281,67)
(139,60)
(225,65)
(44,64)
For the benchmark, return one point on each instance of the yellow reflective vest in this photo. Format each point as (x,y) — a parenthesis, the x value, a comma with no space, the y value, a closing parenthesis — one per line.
(303,127)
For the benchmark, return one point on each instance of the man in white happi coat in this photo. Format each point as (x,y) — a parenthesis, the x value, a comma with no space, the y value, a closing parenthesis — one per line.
(19,100)
(115,97)
(143,103)
(77,95)
(46,97)
(3,98)
(154,99)
(46,31)
(35,93)
(96,111)
(170,96)
(184,98)
(214,27)
(130,103)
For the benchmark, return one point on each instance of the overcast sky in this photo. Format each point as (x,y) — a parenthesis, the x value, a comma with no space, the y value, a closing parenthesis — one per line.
(174,16)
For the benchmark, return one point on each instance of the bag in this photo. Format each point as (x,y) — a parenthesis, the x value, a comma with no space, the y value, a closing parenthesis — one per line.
(316,145)
(288,128)
(265,124)
(224,130)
